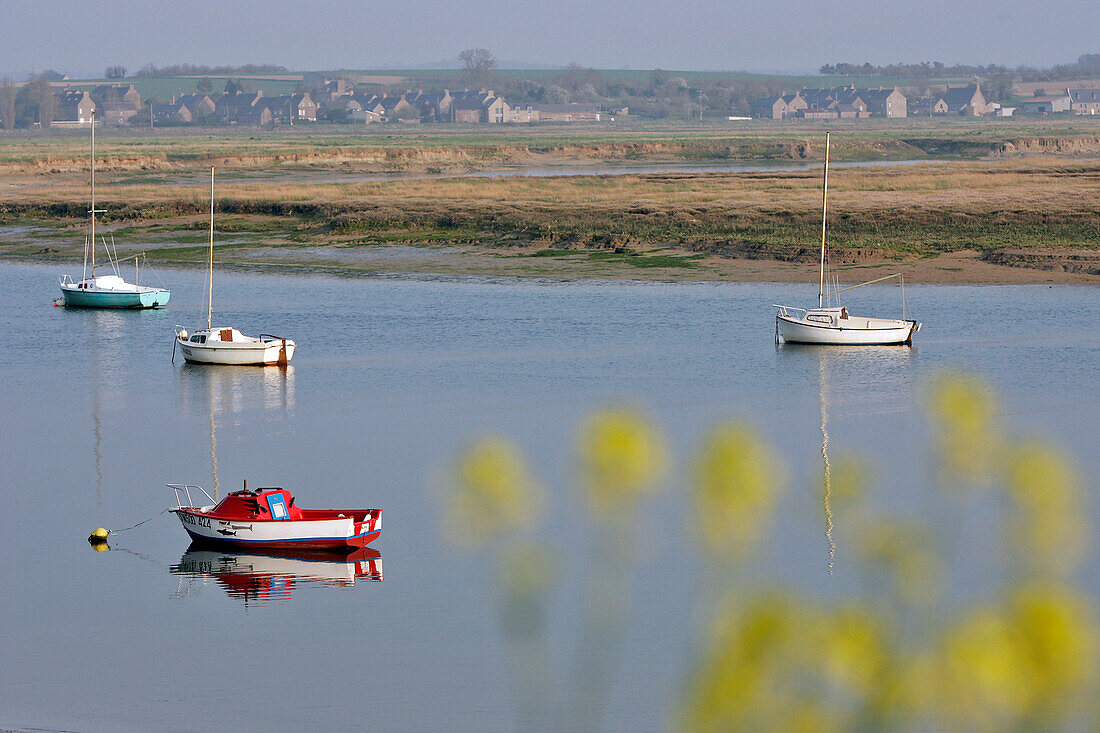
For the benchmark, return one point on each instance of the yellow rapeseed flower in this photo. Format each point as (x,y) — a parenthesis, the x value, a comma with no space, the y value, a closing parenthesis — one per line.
(984,683)
(736,486)
(906,554)
(853,649)
(1050,528)
(1056,631)
(494,494)
(622,456)
(969,442)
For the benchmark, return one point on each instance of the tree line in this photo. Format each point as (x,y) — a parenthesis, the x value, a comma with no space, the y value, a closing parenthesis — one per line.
(150,70)
(1086,66)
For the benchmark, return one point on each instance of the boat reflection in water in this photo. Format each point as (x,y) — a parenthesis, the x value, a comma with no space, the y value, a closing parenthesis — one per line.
(268,577)
(859,384)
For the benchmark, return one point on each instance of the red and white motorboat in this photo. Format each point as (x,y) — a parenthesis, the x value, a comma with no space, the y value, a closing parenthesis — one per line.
(269,519)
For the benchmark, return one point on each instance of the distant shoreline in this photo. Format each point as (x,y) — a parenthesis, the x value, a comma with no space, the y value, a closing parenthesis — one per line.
(975,202)
(957,268)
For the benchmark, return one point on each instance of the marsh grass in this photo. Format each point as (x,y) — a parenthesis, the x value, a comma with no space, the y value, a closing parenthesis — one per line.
(891,211)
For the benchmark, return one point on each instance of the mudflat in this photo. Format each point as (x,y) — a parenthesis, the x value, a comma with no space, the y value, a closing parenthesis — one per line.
(1007,207)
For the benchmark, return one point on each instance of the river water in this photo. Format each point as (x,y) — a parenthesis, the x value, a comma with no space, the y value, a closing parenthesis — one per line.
(393,378)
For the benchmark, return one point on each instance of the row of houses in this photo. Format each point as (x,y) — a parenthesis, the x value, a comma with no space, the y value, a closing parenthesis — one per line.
(482,106)
(118,105)
(845,102)
(836,103)
(1078,101)
(850,102)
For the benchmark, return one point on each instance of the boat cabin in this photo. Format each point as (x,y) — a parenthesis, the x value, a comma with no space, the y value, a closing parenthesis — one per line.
(274,504)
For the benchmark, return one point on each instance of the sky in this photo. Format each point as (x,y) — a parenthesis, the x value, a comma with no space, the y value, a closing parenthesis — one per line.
(83,38)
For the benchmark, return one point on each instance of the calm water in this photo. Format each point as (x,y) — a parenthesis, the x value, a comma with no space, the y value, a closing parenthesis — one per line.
(393,378)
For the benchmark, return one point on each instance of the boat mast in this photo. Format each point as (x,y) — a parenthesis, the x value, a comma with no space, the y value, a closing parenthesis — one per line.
(210,274)
(92,211)
(824,206)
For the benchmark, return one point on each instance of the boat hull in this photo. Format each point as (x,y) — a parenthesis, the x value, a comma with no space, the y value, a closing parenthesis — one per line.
(860,332)
(268,353)
(337,534)
(139,299)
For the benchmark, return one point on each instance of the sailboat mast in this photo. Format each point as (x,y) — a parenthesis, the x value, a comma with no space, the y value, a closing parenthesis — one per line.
(210,275)
(824,207)
(93,193)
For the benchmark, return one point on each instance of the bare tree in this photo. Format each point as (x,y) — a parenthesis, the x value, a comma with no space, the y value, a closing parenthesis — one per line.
(479,64)
(7,104)
(42,95)
(115,72)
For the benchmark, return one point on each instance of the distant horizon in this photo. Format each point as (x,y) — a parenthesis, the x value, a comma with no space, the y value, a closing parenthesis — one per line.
(753,36)
(509,65)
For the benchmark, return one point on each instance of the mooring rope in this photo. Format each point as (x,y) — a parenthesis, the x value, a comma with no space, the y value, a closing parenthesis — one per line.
(143,521)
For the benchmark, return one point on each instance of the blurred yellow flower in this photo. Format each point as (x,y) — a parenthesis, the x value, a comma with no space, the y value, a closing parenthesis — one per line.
(984,683)
(1056,632)
(736,486)
(906,554)
(969,442)
(853,653)
(623,457)
(495,493)
(1050,523)
(730,688)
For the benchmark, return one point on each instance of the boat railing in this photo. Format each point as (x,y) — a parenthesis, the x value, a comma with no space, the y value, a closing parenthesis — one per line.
(186,489)
(786,310)
(66,280)
(272,337)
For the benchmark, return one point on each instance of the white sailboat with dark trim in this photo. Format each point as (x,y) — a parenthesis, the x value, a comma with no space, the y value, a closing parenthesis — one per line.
(107,291)
(830,322)
(224,344)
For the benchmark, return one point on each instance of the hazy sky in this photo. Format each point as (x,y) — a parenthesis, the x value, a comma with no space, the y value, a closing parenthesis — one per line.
(85,37)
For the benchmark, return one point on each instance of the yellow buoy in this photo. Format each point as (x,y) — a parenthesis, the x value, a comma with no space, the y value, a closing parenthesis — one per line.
(99,535)
(99,545)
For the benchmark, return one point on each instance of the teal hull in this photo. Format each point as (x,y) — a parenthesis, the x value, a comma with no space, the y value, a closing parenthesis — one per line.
(152,298)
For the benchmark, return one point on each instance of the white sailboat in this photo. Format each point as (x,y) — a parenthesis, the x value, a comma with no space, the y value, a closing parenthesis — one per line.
(107,291)
(832,324)
(223,344)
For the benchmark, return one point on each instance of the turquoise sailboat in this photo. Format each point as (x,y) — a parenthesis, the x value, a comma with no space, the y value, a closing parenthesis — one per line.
(111,290)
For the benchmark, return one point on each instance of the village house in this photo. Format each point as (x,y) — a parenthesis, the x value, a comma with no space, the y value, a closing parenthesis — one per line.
(433,106)
(1084,101)
(846,101)
(240,108)
(399,109)
(885,102)
(117,93)
(200,106)
(1046,105)
(73,107)
(769,108)
(116,104)
(478,106)
(779,107)
(836,103)
(967,101)
(365,108)
(289,108)
(522,114)
(173,113)
(926,106)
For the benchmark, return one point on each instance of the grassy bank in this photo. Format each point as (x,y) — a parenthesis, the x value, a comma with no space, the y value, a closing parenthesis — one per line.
(393,148)
(1031,211)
